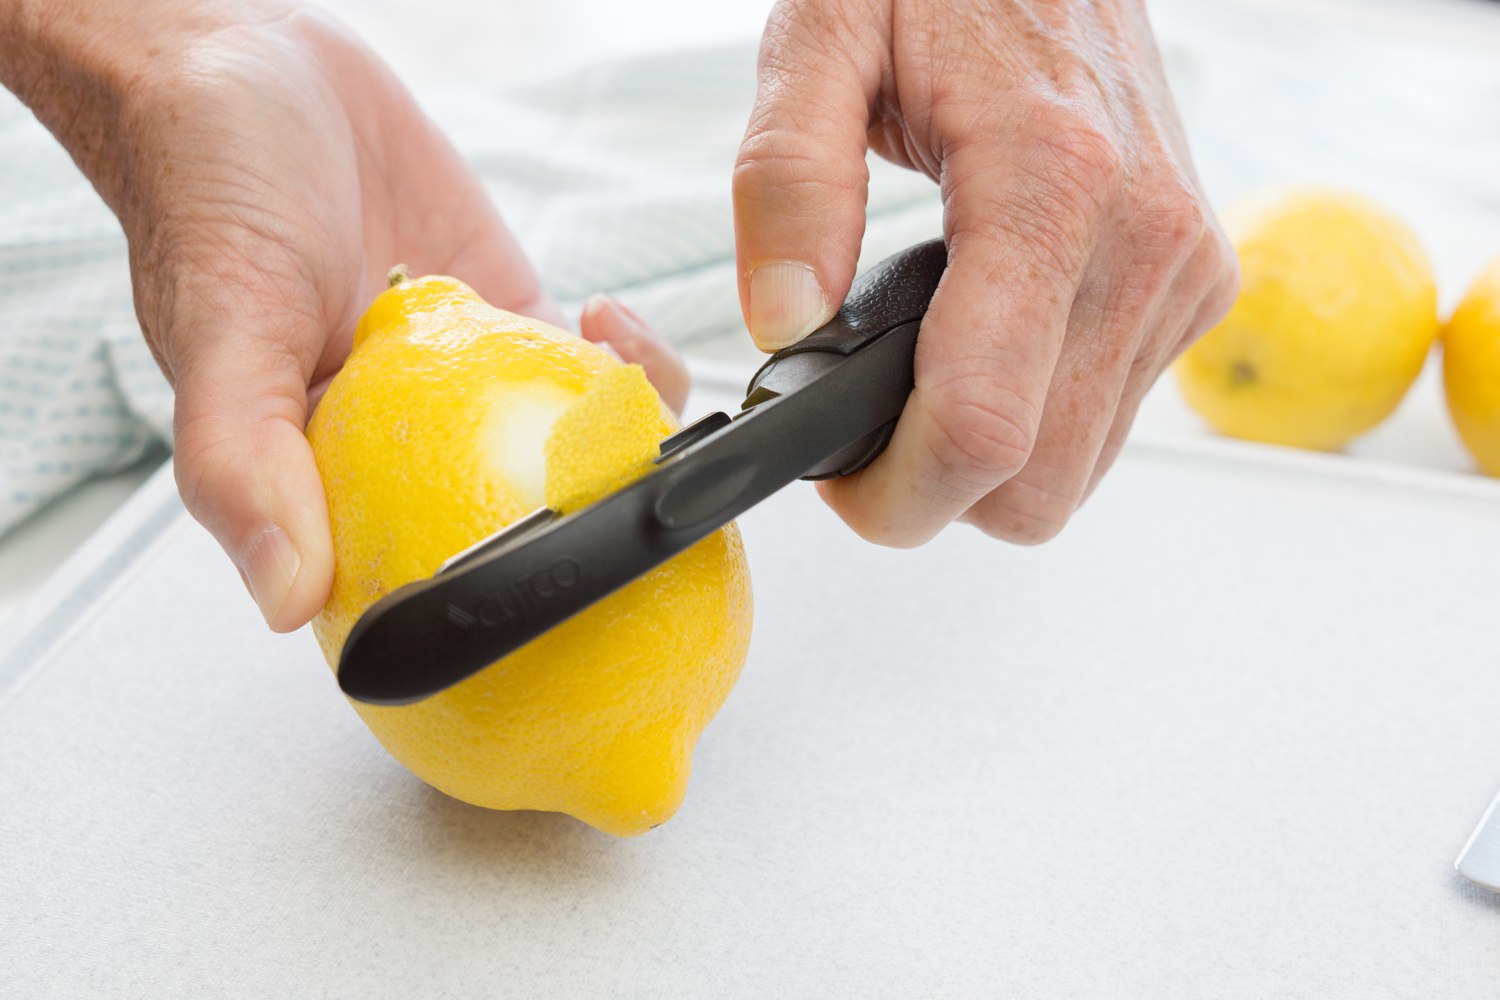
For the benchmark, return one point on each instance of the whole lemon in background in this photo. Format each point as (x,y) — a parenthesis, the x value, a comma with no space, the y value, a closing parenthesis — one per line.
(1471,369)
(451,419)
(1336,314)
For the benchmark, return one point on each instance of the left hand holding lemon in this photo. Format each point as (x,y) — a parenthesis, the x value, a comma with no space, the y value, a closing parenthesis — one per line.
(268,169)
(450,420)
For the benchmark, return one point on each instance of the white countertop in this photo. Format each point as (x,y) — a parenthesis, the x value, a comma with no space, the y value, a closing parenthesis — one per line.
(1221,739)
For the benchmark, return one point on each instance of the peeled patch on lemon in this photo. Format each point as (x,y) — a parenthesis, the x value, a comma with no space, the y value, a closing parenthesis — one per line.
(452,419)
(1336,315)
(604,440)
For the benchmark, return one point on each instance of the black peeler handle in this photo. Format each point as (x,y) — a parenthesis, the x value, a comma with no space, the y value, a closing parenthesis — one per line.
(887,298)
(820,408)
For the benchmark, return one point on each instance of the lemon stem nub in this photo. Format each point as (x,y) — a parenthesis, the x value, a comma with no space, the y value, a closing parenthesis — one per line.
(397,275)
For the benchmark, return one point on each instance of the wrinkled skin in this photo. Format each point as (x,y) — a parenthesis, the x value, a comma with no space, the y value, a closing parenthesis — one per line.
(1083,256)
(268,169)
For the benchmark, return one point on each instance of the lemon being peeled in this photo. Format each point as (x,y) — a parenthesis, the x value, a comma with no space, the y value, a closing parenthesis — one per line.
(1336,314)
(451,419)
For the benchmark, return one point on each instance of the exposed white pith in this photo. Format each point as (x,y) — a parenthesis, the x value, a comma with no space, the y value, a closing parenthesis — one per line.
(520,420)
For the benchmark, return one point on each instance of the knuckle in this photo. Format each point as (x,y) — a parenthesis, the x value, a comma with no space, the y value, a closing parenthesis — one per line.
(1189,217)
(786,160)
(1219,287)
(1220,300)
(207,465)
(1049,195)
(1044,244)
(877,529)
(1225,294)
(985,430)
(1037,235)
(804,36)
(788,24)
(1161,346)
(1155,354)
(1173,220)
(1050,144)
(1227,289)
(875,522)
(1077,151)
(1022,524)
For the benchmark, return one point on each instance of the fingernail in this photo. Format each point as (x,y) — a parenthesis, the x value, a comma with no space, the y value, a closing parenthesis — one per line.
(637,325)
(596,304)
(786,304)
(270,565)
(623,316)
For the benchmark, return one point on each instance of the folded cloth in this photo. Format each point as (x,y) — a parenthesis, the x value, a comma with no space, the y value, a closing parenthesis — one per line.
(79,392)
(615,178)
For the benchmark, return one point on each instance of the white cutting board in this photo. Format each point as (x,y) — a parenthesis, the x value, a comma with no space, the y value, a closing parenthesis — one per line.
(1222,739)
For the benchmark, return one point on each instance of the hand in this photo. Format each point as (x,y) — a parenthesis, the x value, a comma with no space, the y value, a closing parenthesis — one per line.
(268,170)
(1082,254)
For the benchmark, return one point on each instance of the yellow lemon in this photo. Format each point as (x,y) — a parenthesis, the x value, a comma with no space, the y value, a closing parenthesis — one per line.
(1336,314)
(451,419)
(1471,369)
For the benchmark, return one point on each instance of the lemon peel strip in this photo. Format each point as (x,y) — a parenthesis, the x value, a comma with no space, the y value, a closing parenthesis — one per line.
(606,440)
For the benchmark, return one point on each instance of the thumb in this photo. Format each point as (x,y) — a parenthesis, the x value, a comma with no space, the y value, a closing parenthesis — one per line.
(245,469)
(800,181)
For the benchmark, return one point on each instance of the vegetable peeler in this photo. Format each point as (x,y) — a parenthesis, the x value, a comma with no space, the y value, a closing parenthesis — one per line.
(823,407)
